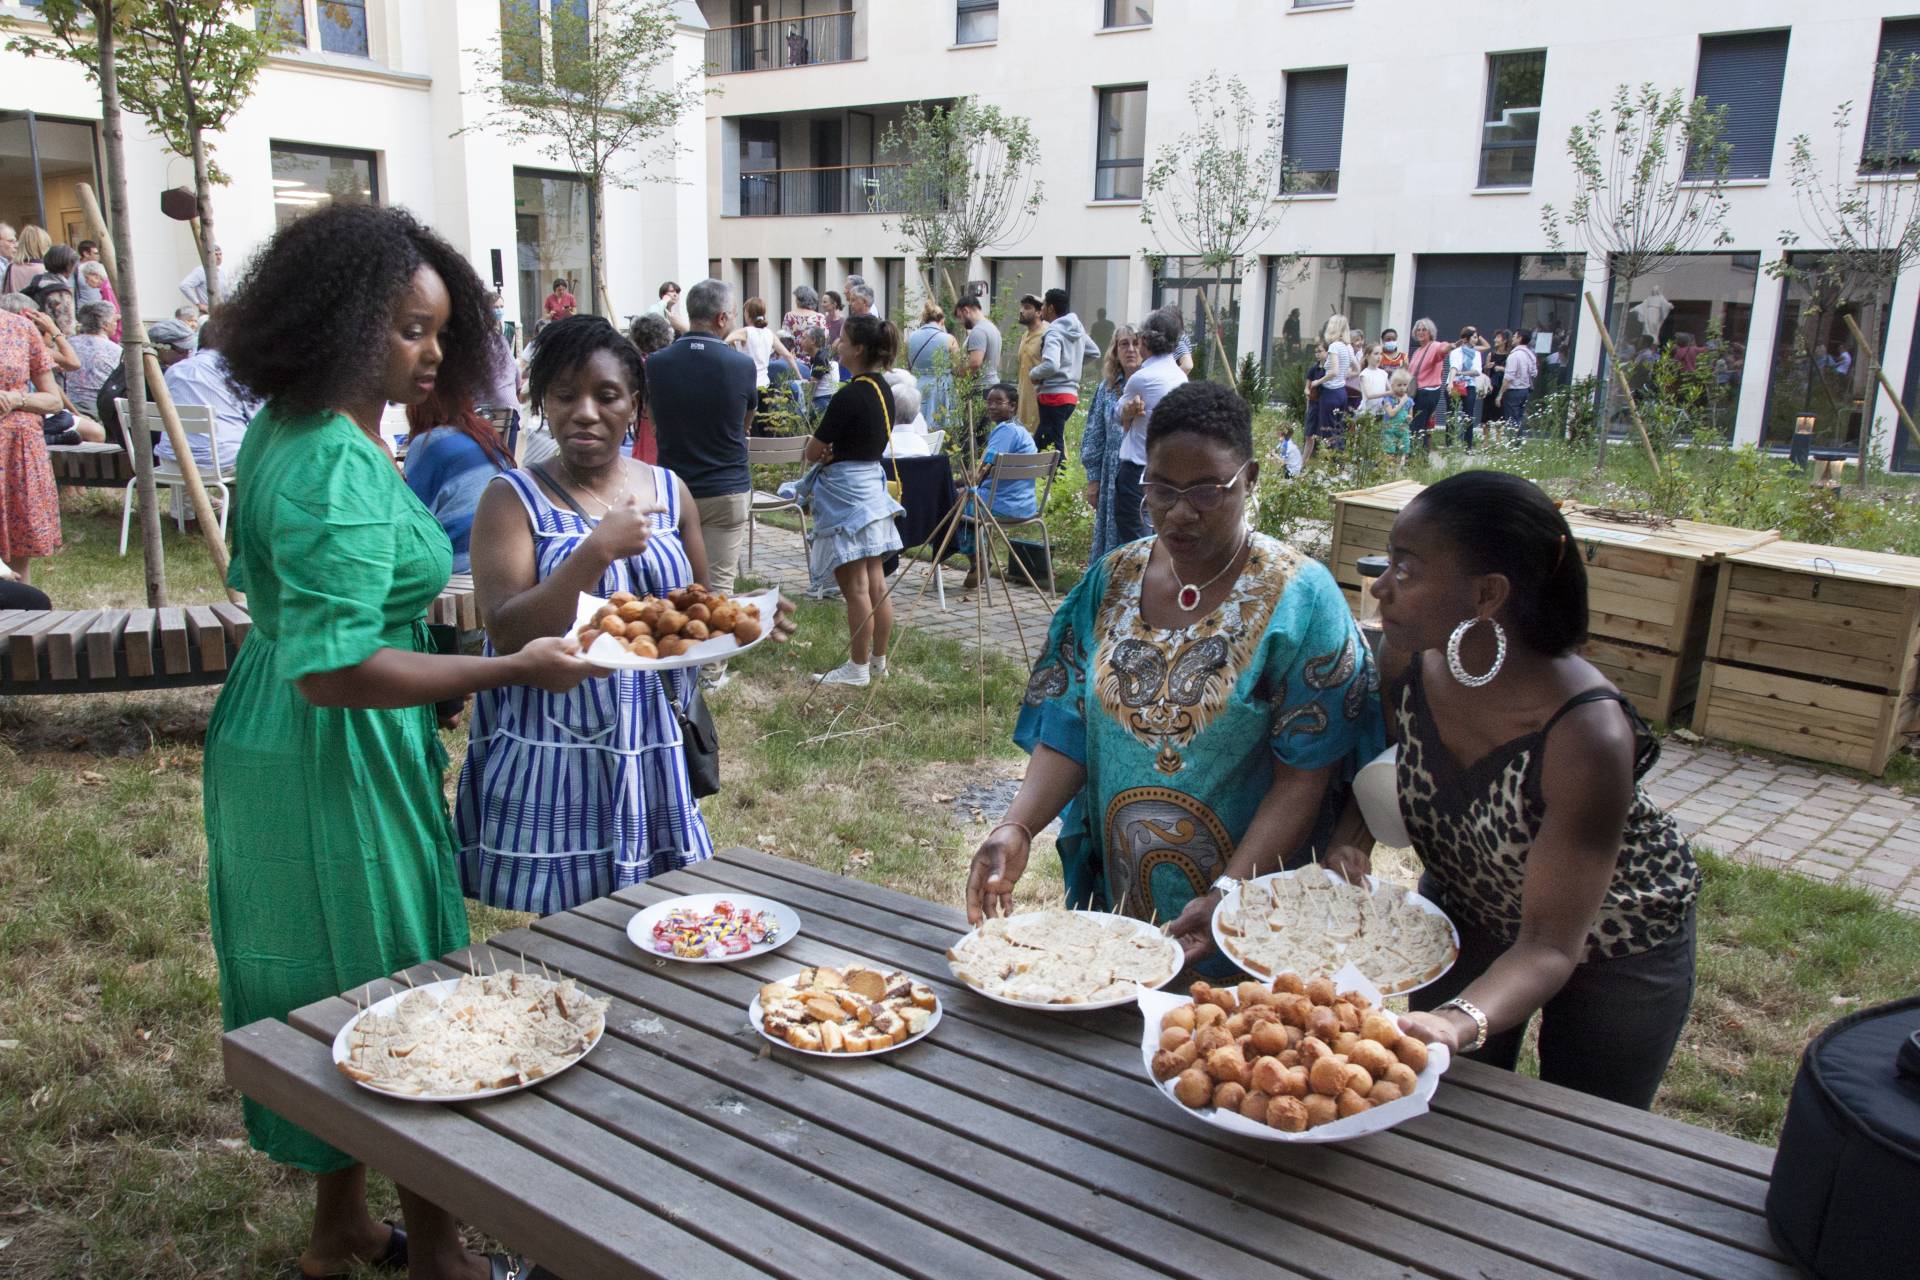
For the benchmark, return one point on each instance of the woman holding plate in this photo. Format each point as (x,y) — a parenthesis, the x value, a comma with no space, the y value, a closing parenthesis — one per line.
(568,797)
(1519,780)
(1203,699)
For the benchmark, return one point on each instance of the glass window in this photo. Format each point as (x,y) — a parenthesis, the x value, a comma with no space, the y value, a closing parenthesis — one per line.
(759,168)
(343,26)
(1817,370)
(1128,13)
(1302,293)
(1316,117)
(1011,279)
(1511,131)
(552,223)
(43,161)
(287,18)
(1121,156)
(1097,288)
(572,35)
(749,272)
(1742,74)
(520,58)
(1206,300)
(1698,310)
(306,178)
(1892,143)
(976,21)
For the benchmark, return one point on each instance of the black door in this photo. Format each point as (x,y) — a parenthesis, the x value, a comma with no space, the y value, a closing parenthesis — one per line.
(829,178)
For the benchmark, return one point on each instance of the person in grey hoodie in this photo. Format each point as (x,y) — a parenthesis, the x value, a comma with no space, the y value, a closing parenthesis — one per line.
(1056,378)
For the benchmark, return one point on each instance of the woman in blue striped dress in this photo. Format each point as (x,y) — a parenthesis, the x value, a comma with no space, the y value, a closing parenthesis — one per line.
(565,798)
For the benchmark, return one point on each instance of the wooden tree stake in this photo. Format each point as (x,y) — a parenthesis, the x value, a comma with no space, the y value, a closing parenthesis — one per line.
(1613,361)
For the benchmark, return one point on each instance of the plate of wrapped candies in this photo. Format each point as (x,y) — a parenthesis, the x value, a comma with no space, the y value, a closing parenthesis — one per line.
(688,627)
(713,928)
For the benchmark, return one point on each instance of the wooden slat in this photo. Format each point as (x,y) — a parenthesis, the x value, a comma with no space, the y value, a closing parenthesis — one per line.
(103,643)
(176,650)
(236,621)
(208,636)
(64,644)
(26,643)
(138,641)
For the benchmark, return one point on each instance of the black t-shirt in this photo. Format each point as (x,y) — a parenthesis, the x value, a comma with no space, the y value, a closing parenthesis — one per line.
(855,423)
(698,391)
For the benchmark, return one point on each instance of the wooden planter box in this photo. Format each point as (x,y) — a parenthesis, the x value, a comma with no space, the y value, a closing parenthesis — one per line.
(1650,592)
(1812,651)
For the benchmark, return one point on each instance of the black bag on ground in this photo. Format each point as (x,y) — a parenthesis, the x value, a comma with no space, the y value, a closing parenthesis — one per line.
(1846,1177)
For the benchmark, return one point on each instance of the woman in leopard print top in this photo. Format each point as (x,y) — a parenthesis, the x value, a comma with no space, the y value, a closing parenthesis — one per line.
(1518,778)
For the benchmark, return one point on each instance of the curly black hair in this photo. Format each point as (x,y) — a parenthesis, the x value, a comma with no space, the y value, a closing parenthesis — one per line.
(308,325)
(1204,409)
(567,344)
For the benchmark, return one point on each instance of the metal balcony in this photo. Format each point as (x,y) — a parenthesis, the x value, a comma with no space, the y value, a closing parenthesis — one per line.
(779,43)
(790,193)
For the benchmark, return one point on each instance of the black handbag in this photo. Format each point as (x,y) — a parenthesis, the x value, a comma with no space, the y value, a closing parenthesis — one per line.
(699,739)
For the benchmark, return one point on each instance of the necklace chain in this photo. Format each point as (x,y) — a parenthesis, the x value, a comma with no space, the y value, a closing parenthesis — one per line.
(588,491)
(1188,596)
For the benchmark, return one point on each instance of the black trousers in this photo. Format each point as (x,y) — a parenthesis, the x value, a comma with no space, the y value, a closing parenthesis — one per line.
(1053,425)
(1129,521)
(1609,1032)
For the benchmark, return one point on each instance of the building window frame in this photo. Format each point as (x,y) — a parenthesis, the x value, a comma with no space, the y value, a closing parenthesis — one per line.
(1762,170)
(1497,116)
(317,25)
(1112,11)
(282,193)
(968,13)
(1296,179)
(1904,34)
(1107,187)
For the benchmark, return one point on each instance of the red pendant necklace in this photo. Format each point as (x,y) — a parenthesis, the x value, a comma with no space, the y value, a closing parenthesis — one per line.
(1188,597)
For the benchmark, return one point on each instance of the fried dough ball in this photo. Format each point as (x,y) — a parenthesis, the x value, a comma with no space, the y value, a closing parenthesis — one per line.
(1374,1056)
(1383,1092)
(1227,1064)
(1270,1037)
(1320,991)
(722,618)
(1254,1106)
(619,598)
(1291,1058)
(1403,1076)
(1252,993)
(699,613)
(695,630)
(1313,1048)
(1229,1096)
(587,636)
(631,611)
(604,612)
(1320,1110)
(1207,993)
(1297,1085)
(1269,1075)
(1381,1027)
(1344,1042)
(1181,1017)
(1358,1079)
(1322,1022)
(1357,999)
(1348,1015)
(1289,982)
(746,630)
(1193,1088)
(669,622)
(679,596)
(1212,1037)
(1167,1065)
(1412,1052)
(643,647)
(1262,1014)
(1327,1075)
(1239,1023)
(1207,1015)
(1351,1104)
(671,646)
(650,610)
(1289,1115)
(637,629)
(613,625)
(1174,1037)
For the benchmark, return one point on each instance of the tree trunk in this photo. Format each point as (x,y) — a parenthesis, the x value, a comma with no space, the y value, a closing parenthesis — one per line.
(151,550)
(203,200)
(1617,331)
(597,254)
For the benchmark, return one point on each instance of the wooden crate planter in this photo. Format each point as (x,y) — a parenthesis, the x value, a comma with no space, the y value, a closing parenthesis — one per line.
(1650,591)
(1812,651)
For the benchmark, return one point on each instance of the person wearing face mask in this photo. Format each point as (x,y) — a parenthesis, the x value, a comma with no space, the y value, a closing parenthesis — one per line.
(330,856)
(1519,775)
(1391,356)
(1203,698)
(503,385)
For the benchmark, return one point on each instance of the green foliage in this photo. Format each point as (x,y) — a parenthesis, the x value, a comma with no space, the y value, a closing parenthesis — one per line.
(1209,193)
(968,179)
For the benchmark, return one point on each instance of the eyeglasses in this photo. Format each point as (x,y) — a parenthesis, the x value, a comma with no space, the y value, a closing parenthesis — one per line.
(1201,497)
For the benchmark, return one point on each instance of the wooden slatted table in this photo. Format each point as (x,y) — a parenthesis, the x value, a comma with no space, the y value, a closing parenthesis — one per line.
(1008,1143)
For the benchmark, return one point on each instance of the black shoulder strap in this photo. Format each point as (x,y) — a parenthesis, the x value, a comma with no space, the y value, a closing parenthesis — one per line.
(1581,700)
(539,469)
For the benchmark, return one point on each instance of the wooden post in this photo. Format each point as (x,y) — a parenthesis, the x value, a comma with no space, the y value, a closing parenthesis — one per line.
(1613,361)
(136,332)
(1879,375)
(1213,323)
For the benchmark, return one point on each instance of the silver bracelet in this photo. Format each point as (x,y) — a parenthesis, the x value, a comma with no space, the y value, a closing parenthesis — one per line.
(1479,1021)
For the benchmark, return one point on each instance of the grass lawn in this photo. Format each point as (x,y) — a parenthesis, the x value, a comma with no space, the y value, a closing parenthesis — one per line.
(124,1154)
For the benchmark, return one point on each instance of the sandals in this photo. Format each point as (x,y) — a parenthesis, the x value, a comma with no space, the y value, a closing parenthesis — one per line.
(392,1258)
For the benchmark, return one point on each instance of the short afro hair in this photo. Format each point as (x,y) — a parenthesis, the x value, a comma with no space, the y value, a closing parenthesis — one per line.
(308,325)
(1204,409)
(567,344)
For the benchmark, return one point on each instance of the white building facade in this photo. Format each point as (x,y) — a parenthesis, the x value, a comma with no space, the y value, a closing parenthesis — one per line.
(375,101)
(1426,143)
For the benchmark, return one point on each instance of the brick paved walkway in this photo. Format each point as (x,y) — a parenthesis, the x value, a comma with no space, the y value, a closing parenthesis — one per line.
(1825,825)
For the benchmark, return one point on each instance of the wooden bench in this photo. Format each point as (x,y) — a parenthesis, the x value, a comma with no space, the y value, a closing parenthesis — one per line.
(126,650)
(90,466)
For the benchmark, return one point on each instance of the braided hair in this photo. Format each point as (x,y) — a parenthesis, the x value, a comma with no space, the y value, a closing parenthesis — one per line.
(567,344)
(1501,523)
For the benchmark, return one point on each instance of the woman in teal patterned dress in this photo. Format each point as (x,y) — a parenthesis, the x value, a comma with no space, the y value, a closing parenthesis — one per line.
(1203,700)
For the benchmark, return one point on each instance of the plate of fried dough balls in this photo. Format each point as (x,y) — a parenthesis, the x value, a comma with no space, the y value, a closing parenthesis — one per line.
(1294,1060)
(684,628)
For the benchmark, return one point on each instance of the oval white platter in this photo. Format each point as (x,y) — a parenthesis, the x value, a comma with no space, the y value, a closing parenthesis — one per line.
(1176,955)
(1231,901)
(760,1024)
(608,652)
(640,928)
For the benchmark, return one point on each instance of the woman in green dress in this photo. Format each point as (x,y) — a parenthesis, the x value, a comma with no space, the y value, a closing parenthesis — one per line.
(1203,699)
(331,858)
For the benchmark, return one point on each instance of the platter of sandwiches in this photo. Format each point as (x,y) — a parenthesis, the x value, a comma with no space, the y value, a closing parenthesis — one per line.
(1313,921)
(846,1011)
(1065,960)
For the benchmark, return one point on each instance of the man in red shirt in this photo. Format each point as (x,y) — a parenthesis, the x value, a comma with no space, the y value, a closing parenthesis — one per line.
(561,302)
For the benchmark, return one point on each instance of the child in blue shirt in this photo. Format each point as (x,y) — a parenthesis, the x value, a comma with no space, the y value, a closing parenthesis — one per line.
(1012,499)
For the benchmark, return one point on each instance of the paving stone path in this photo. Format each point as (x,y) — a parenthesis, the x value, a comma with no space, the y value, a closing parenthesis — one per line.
(1770,813)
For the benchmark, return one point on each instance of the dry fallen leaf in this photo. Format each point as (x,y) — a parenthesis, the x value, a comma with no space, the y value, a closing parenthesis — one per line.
(88,778)
(73,1017)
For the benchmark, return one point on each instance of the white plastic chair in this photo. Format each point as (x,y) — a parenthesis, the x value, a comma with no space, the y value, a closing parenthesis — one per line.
(774,451)
(1007,468)
(195,420)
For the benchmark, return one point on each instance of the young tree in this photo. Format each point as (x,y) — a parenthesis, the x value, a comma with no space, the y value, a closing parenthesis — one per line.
(592,88)
(1649,184)
(1871,229)
(88,32)
(1210,192)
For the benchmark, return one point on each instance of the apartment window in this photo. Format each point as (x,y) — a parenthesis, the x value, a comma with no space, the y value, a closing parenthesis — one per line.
(748,270)
(1310,141)
(1120,159)
(976,21)
(287,18)
(552,222)
(520,58)
(1742,73)
(572,34)
(1098,290)
(1511,132)
(343,26)
(1128,13)
(1892,144)
(306,178)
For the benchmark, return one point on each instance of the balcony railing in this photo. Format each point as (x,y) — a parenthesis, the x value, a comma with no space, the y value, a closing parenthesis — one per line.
(852,188)
(781,42)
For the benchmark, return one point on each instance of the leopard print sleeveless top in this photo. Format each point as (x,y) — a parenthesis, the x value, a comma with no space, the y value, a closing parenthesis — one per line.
(1472,826)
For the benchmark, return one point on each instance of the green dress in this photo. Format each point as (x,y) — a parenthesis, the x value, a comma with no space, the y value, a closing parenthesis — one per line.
(330,855)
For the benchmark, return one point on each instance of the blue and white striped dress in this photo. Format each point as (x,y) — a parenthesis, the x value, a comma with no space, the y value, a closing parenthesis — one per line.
(568,797)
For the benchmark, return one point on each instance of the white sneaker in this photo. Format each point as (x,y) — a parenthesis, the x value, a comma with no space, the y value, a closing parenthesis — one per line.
(879,666)
(854,674)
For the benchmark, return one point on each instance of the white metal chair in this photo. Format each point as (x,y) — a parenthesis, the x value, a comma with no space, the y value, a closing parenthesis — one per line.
(774,451)
(195,420)
(1041,468)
